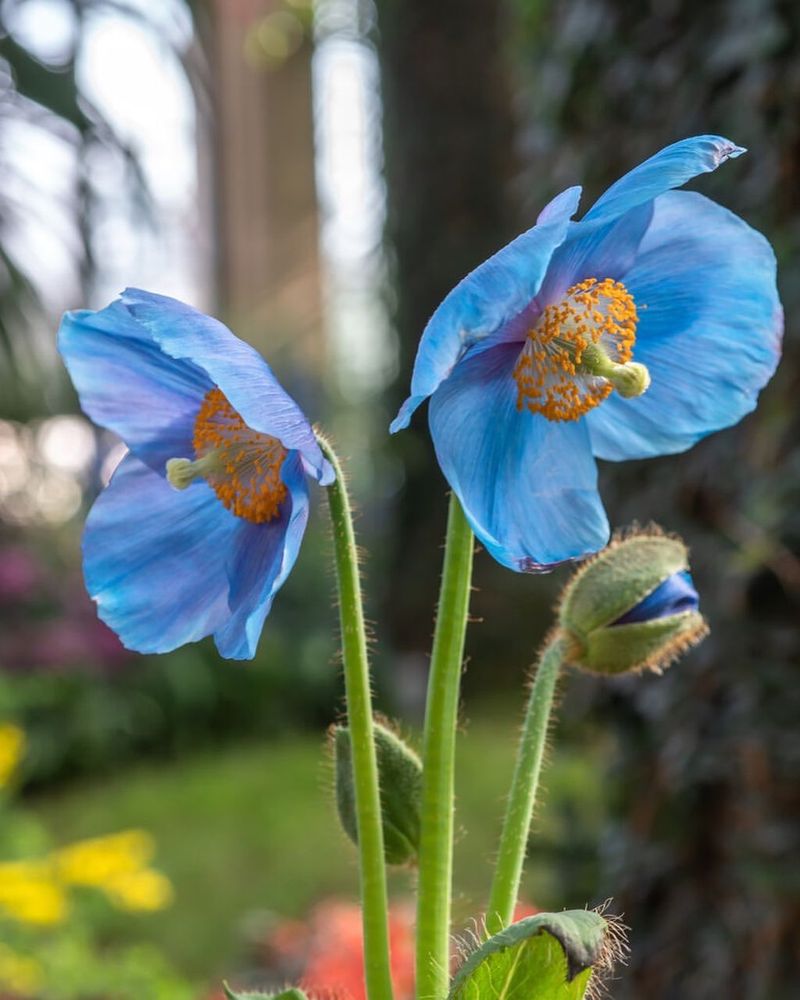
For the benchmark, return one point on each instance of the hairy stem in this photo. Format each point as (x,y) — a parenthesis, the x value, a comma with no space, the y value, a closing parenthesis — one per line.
(522,797)
(372,866)
(441,716)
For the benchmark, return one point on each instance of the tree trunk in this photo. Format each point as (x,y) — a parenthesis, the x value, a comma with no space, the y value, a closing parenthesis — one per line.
(449,138)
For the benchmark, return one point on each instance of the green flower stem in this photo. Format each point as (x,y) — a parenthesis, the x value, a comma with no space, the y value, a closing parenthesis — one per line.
(372,867)
(441,717)
(522,797)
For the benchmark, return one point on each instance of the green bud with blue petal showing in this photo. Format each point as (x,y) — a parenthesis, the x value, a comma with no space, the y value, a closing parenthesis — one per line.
(633,606)
(400,779)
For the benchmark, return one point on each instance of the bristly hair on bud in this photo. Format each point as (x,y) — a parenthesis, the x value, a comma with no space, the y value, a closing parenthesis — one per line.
(633,606)
(615,951)
(400,779)
(290,993)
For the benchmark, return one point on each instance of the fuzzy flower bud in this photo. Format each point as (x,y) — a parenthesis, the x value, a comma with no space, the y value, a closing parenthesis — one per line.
(400,777)
(290,993)
(633,607)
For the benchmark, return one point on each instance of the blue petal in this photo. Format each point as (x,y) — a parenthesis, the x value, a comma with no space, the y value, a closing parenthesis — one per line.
(674,596)
(262,558)
(239,371)
(154,559)
(709,331)
(670,168)
(528,486)
(126,383)
(489,297)
(595,250)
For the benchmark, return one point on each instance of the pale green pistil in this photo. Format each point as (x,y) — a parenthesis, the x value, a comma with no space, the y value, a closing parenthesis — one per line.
(629,379)
(182,472)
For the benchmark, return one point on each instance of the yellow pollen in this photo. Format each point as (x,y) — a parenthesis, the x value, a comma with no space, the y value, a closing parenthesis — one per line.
(564,369)
(242,466)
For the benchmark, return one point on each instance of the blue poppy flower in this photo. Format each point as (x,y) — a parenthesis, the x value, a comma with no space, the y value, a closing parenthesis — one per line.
(635,332)
(203,519)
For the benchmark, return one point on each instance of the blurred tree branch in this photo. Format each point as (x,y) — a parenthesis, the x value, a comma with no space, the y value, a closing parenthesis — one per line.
(48,96)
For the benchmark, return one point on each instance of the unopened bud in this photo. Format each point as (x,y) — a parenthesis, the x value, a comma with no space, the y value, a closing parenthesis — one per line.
(632,607)
(400,778)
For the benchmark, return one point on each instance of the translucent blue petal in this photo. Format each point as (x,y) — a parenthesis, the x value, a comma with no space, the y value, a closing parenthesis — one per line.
(674,596)
(595,250)
(670,168)
(126,383)
(491,296)
(155,559)
(258,565)
(528,485)
(709,331)
(591,249)
(239,371)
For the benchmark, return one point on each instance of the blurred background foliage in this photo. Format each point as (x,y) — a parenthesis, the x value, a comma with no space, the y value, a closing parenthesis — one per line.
(676,795)
(44,97)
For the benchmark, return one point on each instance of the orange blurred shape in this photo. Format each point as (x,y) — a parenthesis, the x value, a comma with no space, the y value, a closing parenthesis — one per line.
(523,910)
(330,949)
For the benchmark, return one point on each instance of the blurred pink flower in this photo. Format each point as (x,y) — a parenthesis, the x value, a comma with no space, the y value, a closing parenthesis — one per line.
(50,623)
(20,574)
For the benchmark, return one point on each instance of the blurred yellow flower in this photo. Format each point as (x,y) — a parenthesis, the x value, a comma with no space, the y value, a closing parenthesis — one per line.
(12,747)
(35,891)
(29,893)
(100,860)
(145,890)
(19,973)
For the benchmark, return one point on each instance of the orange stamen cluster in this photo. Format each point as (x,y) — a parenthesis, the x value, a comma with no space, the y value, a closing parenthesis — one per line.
(247,465)
(549,375)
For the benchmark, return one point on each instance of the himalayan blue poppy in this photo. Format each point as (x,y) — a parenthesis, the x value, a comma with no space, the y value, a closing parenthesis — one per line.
(650,323)
(203,518)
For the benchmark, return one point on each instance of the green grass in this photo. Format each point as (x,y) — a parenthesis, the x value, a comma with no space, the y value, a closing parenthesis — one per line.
(252,828)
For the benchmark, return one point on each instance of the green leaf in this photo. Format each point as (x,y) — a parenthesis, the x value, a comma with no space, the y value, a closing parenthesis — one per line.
(549,956)
(291,994)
